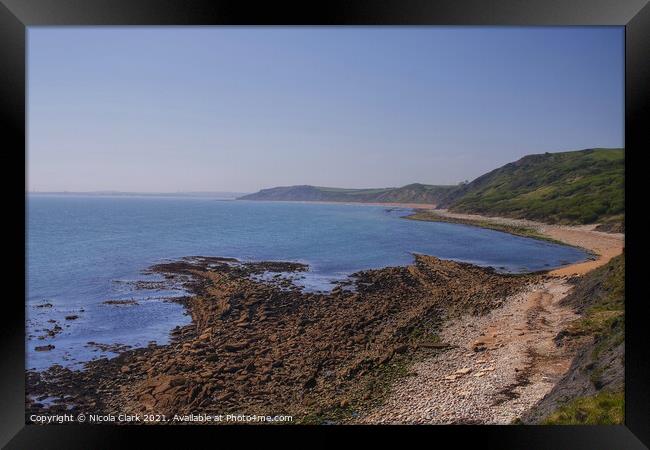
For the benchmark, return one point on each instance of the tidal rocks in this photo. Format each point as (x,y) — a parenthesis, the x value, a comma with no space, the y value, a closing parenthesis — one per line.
(255,346)
(56,329)
(120,302)
(44,348)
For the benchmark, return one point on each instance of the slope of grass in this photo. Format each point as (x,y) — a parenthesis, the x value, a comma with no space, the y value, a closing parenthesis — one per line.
(576,187)
(412,193)
(591,392)
(604,408)
(601,299)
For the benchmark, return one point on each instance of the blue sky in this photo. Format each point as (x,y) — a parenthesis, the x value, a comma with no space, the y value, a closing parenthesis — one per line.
(239,109)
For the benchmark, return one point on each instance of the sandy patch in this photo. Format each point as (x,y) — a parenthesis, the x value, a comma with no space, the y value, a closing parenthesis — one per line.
(604,245)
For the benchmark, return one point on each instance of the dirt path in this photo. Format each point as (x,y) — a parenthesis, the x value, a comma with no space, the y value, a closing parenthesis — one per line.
(503,363)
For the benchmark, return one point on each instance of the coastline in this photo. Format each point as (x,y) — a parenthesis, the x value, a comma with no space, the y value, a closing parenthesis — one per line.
(520,363)
(602,245)
(339,357)
(426,215)
(260,347)
(330,202)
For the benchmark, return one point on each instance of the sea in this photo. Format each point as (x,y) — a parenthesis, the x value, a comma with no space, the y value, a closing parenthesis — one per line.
(84,250)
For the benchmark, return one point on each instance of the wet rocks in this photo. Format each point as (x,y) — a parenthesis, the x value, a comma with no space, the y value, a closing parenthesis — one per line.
(44,348)
(120,302)
(56,329)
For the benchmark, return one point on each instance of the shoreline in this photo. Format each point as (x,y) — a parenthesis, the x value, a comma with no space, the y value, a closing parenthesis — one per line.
(311,353)
(161,338)
(520,364)
(601,245)
(331,202)
(481,222)
(260,347)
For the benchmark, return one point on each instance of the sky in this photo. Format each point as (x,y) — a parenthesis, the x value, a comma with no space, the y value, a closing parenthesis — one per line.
(178,109)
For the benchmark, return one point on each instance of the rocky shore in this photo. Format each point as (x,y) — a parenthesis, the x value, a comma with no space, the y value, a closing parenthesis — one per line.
(258,344)
(501,364)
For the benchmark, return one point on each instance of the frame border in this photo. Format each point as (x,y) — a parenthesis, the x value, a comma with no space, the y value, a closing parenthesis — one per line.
(634,15)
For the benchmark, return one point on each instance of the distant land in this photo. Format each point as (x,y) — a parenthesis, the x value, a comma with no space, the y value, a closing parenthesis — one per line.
(412,193)
(218,195)
(573,187)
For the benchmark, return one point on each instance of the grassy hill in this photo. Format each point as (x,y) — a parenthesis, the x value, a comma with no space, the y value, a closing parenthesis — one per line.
(577,187)
(585,186)
(412,193)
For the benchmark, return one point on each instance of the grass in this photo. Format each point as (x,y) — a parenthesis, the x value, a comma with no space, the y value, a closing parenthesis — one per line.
(605,317)
(412,193)
(576,187)
(604,408)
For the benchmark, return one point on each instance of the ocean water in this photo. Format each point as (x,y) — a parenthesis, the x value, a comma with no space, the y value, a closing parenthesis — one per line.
(84,250)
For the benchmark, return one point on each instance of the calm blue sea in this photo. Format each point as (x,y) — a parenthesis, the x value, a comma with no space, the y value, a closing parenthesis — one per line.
(84,250)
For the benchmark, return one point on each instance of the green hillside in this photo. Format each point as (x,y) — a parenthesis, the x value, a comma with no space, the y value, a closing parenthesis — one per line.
(577,187)
(412,193)
(582,187)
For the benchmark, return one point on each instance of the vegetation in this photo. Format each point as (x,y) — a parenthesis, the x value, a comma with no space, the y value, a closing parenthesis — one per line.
(604,408)
(598,372)
(412,193)
(576,187)
(601,298)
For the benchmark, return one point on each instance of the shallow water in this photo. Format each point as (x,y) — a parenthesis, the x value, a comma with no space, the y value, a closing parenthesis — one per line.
(84,250)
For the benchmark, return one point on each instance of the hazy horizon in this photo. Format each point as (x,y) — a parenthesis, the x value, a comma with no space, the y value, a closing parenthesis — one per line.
(229,192)
(236,110)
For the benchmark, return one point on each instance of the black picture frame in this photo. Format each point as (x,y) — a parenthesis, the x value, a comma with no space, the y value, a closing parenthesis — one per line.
(634,15)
